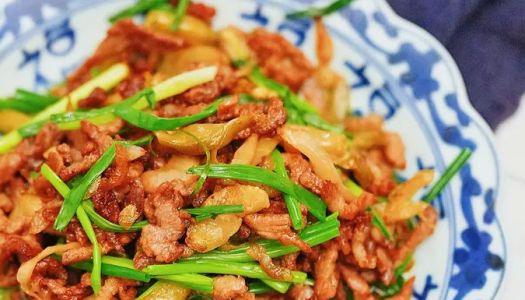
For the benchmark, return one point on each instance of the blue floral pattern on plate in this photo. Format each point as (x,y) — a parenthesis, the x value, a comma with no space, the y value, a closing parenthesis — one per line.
(394,69)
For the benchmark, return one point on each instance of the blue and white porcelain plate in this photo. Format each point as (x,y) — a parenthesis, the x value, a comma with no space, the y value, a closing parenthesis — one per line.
(394,69)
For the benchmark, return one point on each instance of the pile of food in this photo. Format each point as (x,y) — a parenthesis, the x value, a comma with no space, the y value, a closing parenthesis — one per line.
(182,162)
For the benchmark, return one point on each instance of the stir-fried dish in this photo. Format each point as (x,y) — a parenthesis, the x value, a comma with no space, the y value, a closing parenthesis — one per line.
(183,162)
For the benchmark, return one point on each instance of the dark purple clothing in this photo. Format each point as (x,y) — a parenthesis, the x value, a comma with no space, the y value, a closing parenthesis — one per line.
(487,40)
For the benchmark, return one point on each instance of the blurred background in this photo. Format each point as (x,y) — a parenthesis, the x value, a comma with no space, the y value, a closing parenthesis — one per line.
(487,40)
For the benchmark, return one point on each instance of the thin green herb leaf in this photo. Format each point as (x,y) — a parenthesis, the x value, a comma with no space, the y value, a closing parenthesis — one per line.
(178,13)
(151,122)
(148,291)
(200,218)
(216,209)
(167,88)
(411,223)
(107,225)
(143,141)
(55,180)
(218,267)
(107,80)
(30,129)
(201,213)
(96,280)
(401,269)
(63,189)
(292,204)
(5,293)
(266,286)
(204,175)
(313,235)
(246,98)
(394,288)
(76,195)
(378,222)
(299,110)
(259,175)
(451,170)
(258,287)
(27,102)
(142,6)
(279,286)
(319,12)
(116,271)
(195,282)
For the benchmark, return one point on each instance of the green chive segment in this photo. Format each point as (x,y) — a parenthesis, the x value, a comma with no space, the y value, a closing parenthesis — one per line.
(27,102)
(313,235)
(151,122)
(451,170)
(319,12)
(106,80)
(179,12)
(76,195)
(315,205)
(292,204)
(249,270)
(142,6)
(299,110)
(63,189)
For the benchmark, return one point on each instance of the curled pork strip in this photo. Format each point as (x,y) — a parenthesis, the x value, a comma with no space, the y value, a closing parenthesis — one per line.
(353,280)
(326,273)
(209,91)
(374,173)
(258,253)
(276,227)
(424,229)
(301,172)
(50,280)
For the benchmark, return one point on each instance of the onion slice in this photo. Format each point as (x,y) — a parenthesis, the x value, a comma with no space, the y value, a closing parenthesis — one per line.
(26,269)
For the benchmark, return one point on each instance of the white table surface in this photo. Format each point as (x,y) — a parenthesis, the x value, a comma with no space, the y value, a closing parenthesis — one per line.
(510,139)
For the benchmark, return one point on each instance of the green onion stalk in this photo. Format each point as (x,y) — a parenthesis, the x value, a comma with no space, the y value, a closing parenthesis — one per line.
(315,12)
(200,213)
(63,189)
(263,176)
(250,270)
(314,234)
(299,110)
(74,197)
(106,80)
(450,171)
(377,220)
(27,102)
(130,109)
(140,7)
(292,204)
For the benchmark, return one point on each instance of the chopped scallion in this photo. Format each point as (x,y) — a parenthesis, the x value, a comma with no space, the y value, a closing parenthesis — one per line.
(260,175)
(249,270)
(451,170)
(294,209)
(76,195)
(319,12)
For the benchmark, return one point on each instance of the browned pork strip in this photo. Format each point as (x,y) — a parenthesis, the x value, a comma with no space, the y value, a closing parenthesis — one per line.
(230,287)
